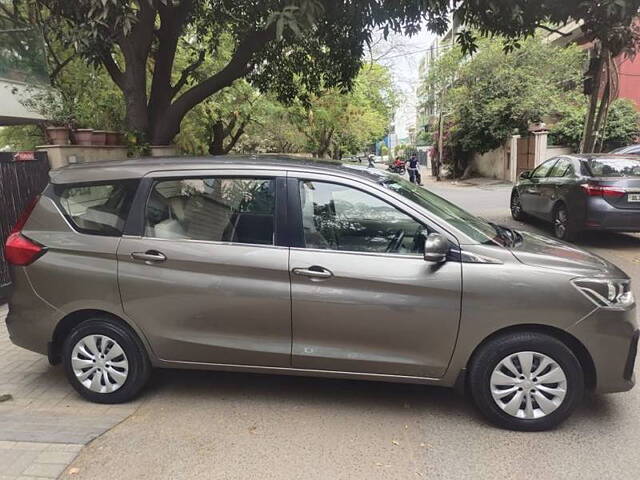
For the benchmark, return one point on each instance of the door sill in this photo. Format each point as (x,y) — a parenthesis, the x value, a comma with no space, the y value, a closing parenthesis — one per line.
(305,372)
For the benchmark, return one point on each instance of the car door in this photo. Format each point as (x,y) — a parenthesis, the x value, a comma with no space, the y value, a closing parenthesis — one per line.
(363,298)
(206,277)
(551,186)
(531,192)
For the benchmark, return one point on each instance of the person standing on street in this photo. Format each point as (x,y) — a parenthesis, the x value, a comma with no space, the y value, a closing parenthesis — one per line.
(414,170)
(372,164)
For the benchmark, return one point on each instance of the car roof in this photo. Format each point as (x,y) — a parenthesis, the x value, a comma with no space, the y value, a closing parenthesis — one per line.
(139,167)
(592,156)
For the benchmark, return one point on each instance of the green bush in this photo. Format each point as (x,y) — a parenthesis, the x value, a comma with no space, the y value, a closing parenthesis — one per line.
(621,128)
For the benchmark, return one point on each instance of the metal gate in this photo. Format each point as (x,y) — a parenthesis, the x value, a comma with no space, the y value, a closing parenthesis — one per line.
(22,177)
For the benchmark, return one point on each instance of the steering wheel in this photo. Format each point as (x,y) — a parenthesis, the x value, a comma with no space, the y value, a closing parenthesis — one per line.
(395,242)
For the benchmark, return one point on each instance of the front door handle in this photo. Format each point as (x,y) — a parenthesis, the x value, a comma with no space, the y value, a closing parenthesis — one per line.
(149,257)
(313,272)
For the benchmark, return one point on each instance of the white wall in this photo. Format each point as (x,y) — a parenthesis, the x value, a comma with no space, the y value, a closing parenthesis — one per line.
(555,150)
(490,164)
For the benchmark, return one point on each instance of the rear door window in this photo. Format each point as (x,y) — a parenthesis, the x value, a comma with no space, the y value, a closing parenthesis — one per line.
(563,168)
(97,208)
(216,209)
(543,170)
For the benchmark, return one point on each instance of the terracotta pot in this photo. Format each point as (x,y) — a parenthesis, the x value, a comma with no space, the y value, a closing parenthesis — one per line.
(83,136)
(113,138)
(58,135)
(99,137)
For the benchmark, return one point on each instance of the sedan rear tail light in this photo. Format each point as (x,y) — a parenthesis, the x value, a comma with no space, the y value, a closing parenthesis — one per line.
(20,250)
(602,191)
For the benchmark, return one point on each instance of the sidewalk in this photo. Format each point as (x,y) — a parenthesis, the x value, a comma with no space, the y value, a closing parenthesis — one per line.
(43,421)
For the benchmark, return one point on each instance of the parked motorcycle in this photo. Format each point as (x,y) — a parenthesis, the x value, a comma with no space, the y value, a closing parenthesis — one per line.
(397,167)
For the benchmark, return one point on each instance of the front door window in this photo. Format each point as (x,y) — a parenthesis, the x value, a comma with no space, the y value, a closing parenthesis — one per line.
(338,217)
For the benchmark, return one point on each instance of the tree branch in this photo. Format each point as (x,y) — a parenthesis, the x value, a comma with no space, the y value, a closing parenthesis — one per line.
(172,20)
(112,68)
(184,76)
(237,67)
(552,30)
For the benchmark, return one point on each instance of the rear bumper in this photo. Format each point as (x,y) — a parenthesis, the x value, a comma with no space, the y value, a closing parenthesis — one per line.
(603,216)
(611,338)
(30,319)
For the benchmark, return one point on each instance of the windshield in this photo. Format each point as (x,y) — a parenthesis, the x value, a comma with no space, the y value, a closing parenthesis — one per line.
(614,167)
(474,227)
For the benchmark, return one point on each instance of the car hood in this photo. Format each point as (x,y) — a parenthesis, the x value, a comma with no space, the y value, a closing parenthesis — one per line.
(543,251)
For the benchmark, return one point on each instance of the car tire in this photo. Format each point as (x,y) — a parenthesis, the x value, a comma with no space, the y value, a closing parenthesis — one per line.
(516,207)
(564,227)
(105,361)
(525,402)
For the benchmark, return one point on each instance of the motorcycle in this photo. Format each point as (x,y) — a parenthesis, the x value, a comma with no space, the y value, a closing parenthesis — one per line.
(397,167)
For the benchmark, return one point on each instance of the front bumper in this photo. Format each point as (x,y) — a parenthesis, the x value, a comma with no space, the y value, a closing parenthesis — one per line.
(611,338)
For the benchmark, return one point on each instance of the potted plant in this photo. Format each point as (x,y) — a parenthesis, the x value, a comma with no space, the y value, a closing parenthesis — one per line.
(52,106)
(83,136)
(99,137)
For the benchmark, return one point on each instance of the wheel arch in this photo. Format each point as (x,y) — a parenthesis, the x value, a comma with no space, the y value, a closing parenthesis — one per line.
(575,345)
(67,323)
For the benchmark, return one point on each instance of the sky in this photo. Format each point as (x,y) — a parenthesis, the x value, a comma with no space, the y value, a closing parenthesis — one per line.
(402,54)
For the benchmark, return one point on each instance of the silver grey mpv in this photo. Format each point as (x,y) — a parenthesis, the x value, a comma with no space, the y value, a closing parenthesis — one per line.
(307,268)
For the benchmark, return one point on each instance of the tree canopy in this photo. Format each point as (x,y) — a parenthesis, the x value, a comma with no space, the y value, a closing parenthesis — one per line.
(294,48)
(492,94)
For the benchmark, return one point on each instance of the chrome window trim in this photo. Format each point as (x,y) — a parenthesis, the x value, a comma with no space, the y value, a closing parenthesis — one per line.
(207,242)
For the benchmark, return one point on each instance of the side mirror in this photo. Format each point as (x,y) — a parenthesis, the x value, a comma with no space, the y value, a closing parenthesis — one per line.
(436,248)
(526,174)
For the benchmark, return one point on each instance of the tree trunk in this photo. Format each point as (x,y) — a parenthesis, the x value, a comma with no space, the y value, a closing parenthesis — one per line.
(216,144)
(588,137)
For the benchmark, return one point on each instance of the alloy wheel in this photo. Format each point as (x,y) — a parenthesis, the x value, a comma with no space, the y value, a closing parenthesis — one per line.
(561,222)
(99,363)
(516,207)
(528,385)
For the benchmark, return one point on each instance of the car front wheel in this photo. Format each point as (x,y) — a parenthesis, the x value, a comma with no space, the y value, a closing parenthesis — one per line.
(105,361)
(526,381)
(516,207)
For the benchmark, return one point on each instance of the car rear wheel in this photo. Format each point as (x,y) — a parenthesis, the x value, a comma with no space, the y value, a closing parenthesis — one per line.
(516,207)
(105,362)
(563,225)
(526,381)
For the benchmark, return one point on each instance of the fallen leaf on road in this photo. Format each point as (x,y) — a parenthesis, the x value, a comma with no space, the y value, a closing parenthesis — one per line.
(74,471)
(395,442)
(378,464)
(6,397)
(253,428)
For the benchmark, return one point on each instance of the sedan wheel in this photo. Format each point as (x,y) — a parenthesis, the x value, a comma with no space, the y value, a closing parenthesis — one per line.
(562,225)
(516,207)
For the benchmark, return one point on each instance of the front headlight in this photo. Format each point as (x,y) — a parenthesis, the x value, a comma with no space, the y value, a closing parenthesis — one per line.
(607,293)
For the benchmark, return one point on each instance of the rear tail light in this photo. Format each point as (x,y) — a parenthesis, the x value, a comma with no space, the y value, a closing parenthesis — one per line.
(602,191)
(20,250)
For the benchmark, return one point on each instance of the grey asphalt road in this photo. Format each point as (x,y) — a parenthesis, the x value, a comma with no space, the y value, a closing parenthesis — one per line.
(208,425)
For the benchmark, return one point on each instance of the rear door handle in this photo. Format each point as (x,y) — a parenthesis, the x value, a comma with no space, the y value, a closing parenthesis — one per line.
(313,272)
(149,257)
